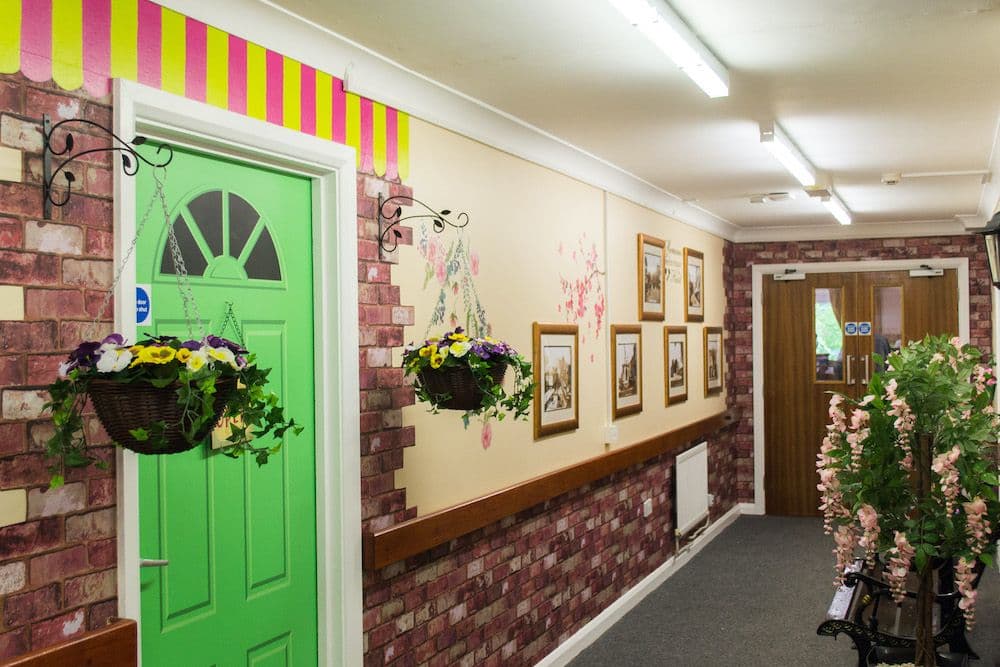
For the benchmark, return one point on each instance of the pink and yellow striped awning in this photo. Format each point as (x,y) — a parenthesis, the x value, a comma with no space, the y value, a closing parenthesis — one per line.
(86,43)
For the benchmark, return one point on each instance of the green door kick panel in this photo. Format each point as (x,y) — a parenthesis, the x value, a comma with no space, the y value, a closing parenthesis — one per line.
(240,586)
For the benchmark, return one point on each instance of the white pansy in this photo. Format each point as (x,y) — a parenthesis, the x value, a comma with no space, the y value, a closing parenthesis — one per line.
(197,360)
(111,359)
(223,354)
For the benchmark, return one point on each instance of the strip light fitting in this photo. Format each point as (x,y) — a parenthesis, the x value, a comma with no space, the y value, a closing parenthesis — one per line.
(662,26)
(837,209)
(774,139)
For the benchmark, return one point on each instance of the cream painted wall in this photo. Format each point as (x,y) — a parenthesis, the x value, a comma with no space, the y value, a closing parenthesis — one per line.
(526,223)
(625,222)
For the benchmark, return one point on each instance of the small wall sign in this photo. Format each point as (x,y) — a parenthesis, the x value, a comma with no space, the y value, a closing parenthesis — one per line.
(864,328)
(850,328)
(143,305)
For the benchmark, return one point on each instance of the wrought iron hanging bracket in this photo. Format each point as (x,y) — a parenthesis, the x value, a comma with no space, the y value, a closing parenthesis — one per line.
(389,216)
(131,159)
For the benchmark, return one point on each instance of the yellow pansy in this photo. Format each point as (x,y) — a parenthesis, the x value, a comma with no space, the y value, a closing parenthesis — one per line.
(159,355)
(427,350)
(458,337)
(437,360)
(196,361)
(459,348)
(183,355)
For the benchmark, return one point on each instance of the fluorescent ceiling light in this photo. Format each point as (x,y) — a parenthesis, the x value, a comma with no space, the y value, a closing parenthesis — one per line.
(837,208)
(777,142)
(662,26)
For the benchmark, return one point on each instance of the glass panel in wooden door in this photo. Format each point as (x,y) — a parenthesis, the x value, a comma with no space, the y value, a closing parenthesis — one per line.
(240,585)
(900,309)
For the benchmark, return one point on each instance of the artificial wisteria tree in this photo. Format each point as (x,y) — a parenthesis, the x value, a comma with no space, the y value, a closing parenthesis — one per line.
(908,474)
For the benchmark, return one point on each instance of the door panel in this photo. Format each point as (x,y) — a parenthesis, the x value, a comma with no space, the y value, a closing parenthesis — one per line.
(241,584)
(806,359)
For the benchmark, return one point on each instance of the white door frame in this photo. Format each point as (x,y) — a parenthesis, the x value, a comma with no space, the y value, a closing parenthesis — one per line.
(961,266)
(144,110)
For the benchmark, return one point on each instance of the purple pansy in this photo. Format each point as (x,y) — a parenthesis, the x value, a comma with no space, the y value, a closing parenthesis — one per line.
(217,341)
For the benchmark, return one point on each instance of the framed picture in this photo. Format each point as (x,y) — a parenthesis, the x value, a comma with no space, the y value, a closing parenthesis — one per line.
(675,372)
(556,363)
(694,286)
(713,360)
(650,270)
(626,369)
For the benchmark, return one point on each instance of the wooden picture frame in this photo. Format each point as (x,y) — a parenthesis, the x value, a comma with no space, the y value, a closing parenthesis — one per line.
(675,365)
(556,357)
(713,369)
(651,284)
(626,369)
(694,286)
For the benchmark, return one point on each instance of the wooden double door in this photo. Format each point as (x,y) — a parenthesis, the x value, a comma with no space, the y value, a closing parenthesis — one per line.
(820,335)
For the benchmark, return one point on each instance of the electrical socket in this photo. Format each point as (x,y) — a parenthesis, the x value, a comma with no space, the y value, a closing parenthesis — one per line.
(611,435)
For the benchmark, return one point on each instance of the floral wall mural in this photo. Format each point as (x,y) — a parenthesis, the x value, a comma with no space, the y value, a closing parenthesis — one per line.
(583,291)
(452,265)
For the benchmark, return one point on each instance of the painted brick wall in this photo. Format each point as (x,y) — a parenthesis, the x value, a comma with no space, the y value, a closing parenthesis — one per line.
(57,569)
(509,593)
(740,257)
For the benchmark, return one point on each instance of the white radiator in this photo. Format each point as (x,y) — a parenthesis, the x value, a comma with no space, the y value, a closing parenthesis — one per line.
(692,487)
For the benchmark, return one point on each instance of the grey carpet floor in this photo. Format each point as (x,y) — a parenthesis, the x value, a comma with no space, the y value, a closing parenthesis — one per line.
(754,596)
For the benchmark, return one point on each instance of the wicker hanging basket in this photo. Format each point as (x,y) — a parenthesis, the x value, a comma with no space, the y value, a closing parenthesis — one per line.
(123,407)
(459,383)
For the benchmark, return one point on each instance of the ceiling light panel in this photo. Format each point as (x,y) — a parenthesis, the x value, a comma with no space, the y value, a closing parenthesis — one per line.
(662,26)
(781,147)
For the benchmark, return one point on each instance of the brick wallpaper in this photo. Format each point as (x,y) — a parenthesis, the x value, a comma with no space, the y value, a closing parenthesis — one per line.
(509,593)
(740,257)
(57,569)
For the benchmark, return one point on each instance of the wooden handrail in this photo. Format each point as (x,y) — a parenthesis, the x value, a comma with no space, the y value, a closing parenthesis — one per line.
(425,532)
(114,645)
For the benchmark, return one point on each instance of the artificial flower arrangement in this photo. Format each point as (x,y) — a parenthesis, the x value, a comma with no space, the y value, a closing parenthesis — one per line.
(162,395)
(457,372)
(908,474)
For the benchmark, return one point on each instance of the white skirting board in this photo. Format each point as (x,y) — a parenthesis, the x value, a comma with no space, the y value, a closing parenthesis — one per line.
(600,624)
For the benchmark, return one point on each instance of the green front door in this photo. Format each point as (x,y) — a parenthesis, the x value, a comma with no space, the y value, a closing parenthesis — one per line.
(239,586)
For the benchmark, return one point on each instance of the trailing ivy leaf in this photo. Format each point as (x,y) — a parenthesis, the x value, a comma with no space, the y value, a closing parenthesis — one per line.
(140,434)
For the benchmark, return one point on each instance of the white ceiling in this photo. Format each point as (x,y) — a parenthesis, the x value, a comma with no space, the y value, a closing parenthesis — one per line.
(862,86)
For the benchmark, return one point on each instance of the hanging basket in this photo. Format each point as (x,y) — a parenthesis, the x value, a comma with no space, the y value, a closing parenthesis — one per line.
(122,407)
(460,384)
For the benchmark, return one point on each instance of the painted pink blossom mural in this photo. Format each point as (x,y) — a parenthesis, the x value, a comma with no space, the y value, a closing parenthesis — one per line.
(452,267)
(583,292)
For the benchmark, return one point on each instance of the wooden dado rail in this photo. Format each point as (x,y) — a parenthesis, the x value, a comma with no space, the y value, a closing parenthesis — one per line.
(425,532)
(114,645)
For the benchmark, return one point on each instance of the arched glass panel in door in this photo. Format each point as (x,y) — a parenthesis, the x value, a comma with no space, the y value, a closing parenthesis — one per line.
(221,235)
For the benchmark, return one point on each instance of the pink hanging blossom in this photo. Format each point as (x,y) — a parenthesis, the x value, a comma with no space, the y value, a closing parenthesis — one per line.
(965,578)
(845,540)
(944,466)
(474,263)
(868,518)
(900,557)
(977,526)
(486,437)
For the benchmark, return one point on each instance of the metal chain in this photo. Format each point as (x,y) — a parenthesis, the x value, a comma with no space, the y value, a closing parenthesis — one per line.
(180,269)
(230,318)
(125,258)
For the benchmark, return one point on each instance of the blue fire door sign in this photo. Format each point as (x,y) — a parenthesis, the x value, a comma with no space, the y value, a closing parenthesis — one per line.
(143,305)
(850,328)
